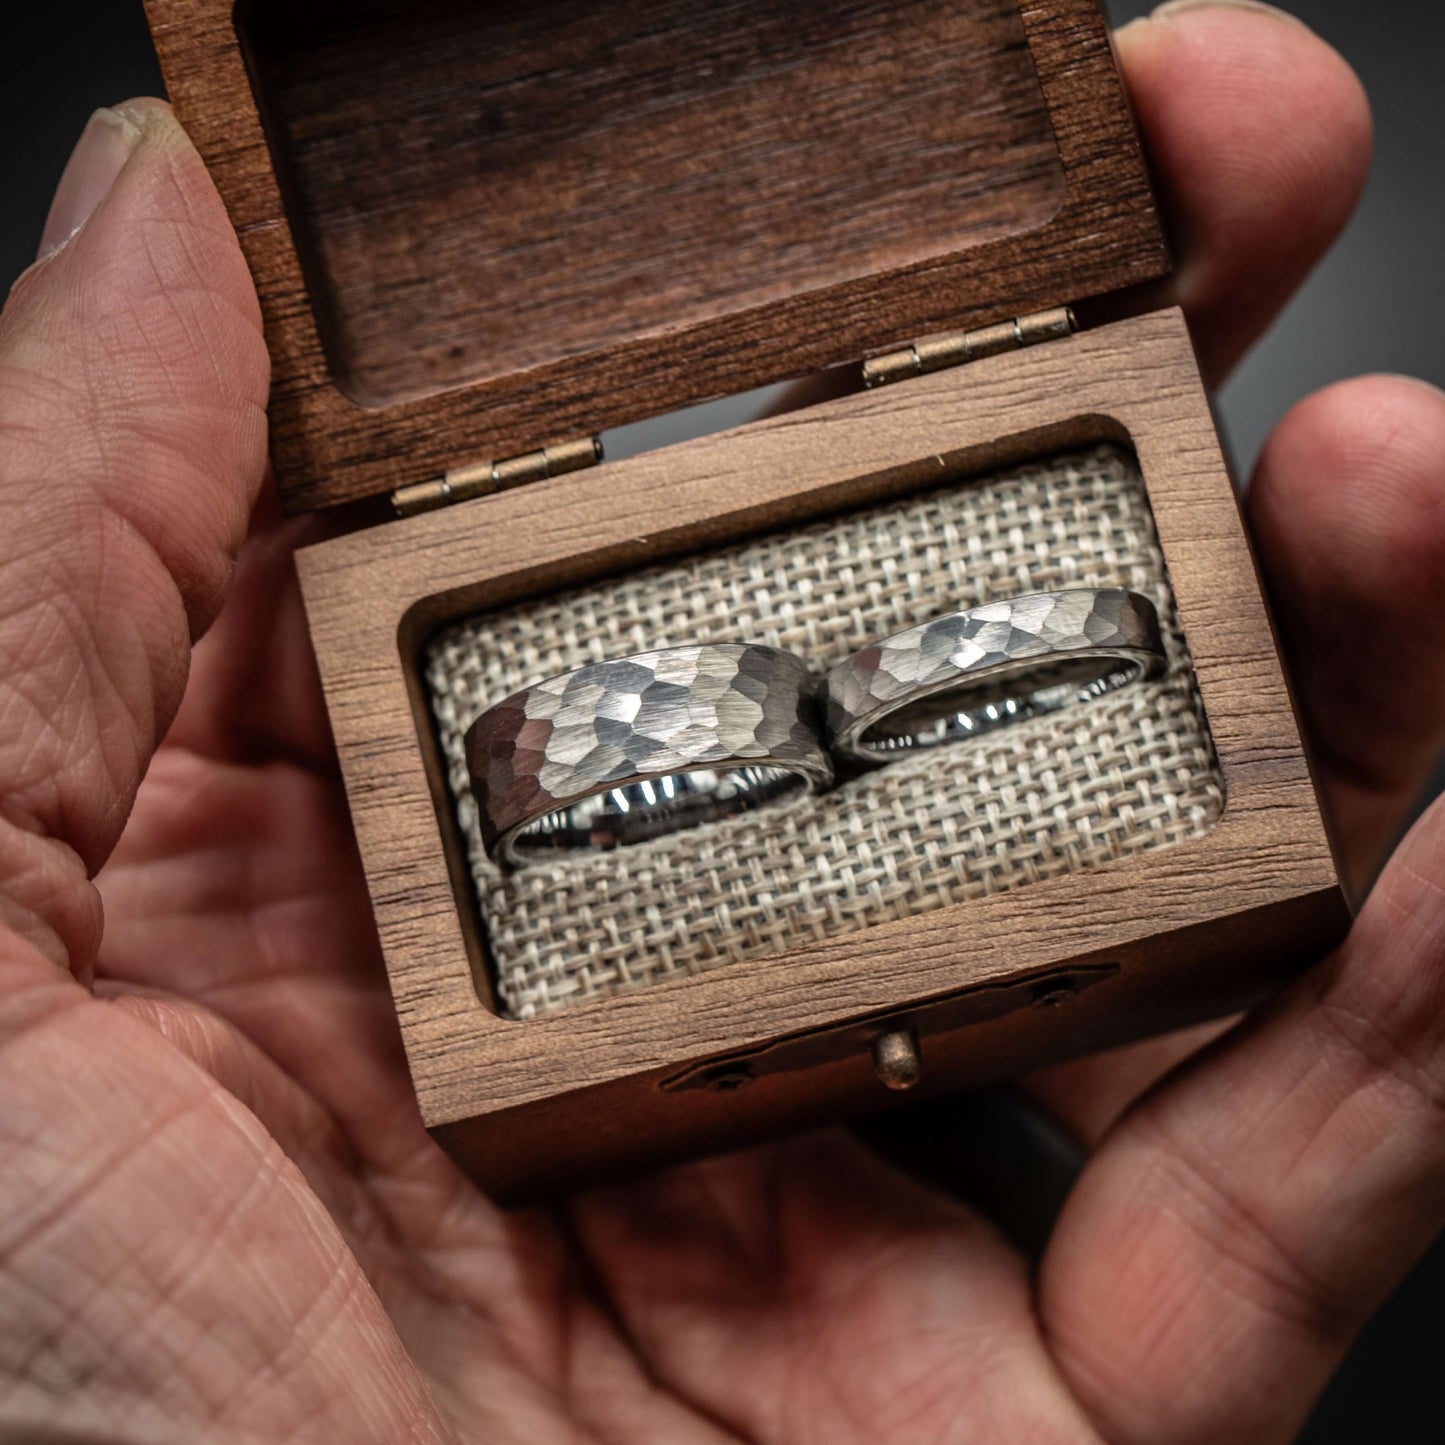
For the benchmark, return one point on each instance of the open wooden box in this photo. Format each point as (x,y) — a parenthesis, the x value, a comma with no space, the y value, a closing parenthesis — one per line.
(483,232)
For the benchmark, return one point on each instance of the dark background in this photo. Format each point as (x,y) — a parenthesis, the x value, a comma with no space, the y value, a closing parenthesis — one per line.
(1376,304)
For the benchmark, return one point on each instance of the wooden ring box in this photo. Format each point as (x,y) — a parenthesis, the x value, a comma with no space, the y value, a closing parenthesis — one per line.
(482,231)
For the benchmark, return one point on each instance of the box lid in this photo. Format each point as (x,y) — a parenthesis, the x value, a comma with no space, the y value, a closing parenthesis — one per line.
(480,228)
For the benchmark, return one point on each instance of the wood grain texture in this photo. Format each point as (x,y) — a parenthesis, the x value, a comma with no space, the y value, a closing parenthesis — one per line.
(518,183)
(756,194)
(1195,930)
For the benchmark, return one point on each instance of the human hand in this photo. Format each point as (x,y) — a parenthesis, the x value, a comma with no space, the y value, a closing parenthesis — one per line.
(223,1220)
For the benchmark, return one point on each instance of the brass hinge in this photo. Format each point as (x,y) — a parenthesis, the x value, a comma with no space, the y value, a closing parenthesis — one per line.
(939,352)
(461,484)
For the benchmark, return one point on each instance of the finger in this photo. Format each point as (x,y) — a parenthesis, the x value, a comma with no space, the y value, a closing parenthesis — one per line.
(133,381)
(1348,509)
(1244,1221)
(254,695)
(1087,1095)
(1259,135)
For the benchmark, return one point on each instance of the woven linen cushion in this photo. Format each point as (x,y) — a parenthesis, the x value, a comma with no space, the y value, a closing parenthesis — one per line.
(1057,794)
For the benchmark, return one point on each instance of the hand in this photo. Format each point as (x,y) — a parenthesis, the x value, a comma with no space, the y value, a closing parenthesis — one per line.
(223,1221)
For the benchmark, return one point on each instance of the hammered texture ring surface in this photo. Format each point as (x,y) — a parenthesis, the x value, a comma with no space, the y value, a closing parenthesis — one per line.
(966,673)
(622,751)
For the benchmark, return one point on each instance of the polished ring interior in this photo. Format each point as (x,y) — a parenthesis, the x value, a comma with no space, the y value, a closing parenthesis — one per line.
(967,673)
(653,807)
(623,751)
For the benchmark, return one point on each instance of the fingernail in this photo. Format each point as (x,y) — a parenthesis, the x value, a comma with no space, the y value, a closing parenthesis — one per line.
(1178,7)
(104,147)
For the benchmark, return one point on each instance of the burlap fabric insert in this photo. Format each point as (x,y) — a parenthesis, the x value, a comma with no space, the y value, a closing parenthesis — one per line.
(1055,795)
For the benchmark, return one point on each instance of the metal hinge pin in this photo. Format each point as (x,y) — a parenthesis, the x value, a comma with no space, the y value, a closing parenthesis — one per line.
(461,484)
(939,352)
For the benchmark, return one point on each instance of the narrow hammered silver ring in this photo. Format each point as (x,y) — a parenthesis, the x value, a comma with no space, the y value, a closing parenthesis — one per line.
(622,751)
(967,673)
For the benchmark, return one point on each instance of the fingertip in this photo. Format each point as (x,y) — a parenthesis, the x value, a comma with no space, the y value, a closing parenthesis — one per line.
(1352,486)
(1261,135)
(1231,92)
(145,110)
(1340,424)
(157,224)
(1348,510)
(1252,73)
(166,206)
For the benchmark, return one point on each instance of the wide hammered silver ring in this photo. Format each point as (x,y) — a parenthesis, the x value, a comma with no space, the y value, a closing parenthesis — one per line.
(967,673)
(619,752)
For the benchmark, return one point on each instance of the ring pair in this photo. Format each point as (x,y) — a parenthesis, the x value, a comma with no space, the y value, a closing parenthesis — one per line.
(622,751)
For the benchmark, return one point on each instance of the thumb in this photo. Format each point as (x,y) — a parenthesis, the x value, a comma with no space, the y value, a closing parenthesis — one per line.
(133,379)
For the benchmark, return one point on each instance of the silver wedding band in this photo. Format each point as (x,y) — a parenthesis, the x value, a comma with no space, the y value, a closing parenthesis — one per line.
(624,751)
(619,752)
(967,673)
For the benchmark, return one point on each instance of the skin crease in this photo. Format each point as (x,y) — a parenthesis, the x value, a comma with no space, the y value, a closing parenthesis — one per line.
(223,1220)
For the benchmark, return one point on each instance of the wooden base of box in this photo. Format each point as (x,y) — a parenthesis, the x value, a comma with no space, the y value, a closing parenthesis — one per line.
(1051,969)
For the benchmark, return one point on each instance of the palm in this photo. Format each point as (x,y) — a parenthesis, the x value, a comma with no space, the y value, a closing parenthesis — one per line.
(783,1268)
(228,1223)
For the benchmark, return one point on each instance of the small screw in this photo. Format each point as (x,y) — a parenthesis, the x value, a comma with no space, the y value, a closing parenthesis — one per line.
(896,1058)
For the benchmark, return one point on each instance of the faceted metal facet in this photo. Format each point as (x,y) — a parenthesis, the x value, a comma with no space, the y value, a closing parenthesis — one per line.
(966,673)
(724,727)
